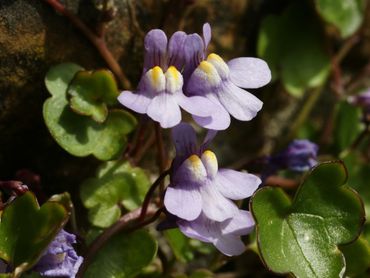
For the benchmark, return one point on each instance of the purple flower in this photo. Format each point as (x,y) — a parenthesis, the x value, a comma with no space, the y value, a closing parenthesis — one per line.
(159,93)
(362,100)
(225,236)
(60,259)
(221,82)
(300,155)
(201,195)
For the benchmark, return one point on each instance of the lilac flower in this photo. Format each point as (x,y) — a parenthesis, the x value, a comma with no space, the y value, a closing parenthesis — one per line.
(300,155)
(221,82)
(201,195)
(362,100)
(60,259)
(159,93)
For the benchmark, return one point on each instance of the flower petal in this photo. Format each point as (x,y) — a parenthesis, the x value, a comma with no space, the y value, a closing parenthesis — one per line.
(241,104)
(155,44)
(183,201)
(214,205)
(197,105)
(185,139)
(136,102)
(249,73)
(176,53)
(197,229)
(194,52)
(164,109)
(207,34)
(230,245)
(217,121)
(241,224)
(236,185)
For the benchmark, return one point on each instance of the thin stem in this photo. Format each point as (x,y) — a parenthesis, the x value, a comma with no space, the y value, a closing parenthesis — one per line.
(305,112)
(161,152)
(123,224)
(97,41)
(360,138)
(17,187)
(281,182)
(145,147)
(150,193)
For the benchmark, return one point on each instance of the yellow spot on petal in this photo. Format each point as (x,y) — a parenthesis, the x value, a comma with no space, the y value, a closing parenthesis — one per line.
(209,160)
(195,160)
(207,67)
(174,72)
(174,80)
(214,56)
(210,155)
(157,73)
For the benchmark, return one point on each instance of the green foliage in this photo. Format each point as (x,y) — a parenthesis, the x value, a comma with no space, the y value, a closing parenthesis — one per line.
(347,125)
(124,256)
(346,16)
(359,177)
(116,184)
(297,57)
(80,135)
(301,236)
(90,93)
(357,256)
(180,245)
(26,229)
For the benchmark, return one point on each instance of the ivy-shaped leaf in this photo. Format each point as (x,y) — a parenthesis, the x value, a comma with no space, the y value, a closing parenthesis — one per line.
(302,236)
(91,92)
(357,256)
(346,15)
(124,256)
(297,58)
(116,185)
(26,229)
(80,135)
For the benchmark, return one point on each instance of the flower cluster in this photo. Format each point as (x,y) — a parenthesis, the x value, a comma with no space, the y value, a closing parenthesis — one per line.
(178,73)
(200,195)
(60,259)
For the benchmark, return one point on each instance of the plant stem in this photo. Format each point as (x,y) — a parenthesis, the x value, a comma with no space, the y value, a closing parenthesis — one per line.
(161,152)
(123,224)
(305,112)
(97,41)
(150,192)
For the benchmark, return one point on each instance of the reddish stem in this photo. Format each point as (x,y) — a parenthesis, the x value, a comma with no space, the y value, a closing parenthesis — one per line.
(150,193)
(97,41)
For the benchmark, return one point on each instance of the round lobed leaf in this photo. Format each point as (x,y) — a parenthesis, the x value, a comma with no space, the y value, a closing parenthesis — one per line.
(124,256)
(302,236)
(80,135)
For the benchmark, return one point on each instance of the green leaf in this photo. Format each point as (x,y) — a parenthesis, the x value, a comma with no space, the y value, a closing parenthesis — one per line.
(301,236)
(124,256)
(347,125)
(346,16)
(357,256)
(90,93)
(297,57)
(116,184)
(26,229)
(359,177)
(80,135)
(179,245)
